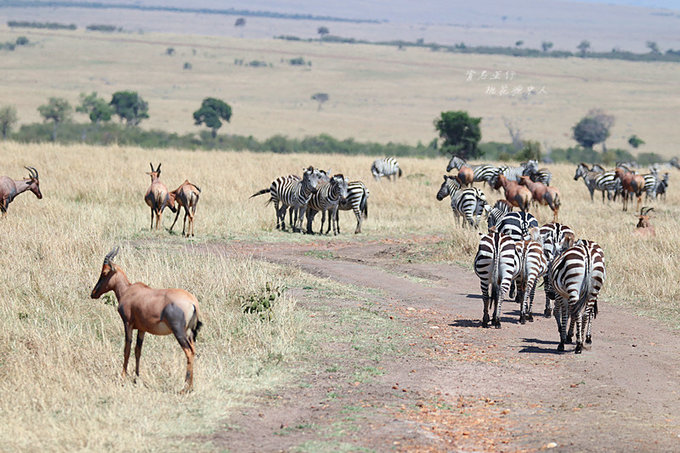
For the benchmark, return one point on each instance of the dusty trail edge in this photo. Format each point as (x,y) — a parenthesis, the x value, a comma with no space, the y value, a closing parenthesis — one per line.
(456,386)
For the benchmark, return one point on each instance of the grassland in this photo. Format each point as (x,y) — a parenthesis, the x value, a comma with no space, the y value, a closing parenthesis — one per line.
(61,351)
(376,93)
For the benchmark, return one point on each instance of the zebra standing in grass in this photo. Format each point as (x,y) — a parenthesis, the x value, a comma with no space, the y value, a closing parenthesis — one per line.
(326,199)
(357,201)
(652,181)
(480,173)
(531,266)
(296,194)
(495,265)
(468,204)
(496,213)
(661,187)
(553,235)
(577,277)
(273,190)
(515,173)
(603,181)
(387,167)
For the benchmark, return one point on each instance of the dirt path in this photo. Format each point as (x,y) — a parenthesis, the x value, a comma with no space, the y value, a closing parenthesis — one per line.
(459,386)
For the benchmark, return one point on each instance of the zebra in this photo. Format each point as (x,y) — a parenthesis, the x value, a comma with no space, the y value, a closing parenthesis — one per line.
(515,173)
(660,189)
(552,235)
(496,213)
(480,173)
(387,167)
(296,194)
(517,225)
(541,175)
(495,265)
(652,181)
(273,190)
(326,199)
(468,203)
(532,264)
(577,277)
(357,201)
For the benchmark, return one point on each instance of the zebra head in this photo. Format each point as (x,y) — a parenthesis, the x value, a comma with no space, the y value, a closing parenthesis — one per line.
(339,186)
(449,186)
(455,162)
(530,167)
(311,178)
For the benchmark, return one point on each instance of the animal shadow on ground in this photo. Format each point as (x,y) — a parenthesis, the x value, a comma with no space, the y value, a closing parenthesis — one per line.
(533,347)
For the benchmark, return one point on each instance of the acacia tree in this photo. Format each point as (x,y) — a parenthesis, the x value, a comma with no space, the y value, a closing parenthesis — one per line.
(320,98)
(211,113)
(8,119)
(57,110)
(322,31)
(635,141)
(460,134)
(546,46)
(130,107)
(96,108)
(583,47)
(593,129)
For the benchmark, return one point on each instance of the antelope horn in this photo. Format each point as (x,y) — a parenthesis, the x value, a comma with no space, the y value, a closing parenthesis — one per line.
(152,170)
(108,259)
(32,171)
(643,212)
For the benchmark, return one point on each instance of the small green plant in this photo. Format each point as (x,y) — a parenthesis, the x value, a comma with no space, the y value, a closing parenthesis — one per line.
(261,302)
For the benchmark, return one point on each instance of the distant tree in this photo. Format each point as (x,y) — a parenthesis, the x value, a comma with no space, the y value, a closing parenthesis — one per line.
(130,107)
(320,98)
(322,31)
(96,108)
(460,134)
(653,47)
(170,51)
(57,110)
(187,65)
(211,113)
(530,150)
(635,141)
(519,43)
(583,47)
(593,129)
(240,22)
(22,41)
(546,46)
(8,119)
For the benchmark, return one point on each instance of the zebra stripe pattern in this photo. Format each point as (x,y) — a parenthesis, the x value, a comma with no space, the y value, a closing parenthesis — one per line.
(273,191)
(496,213)
(517,225)
(468,204)
(495,265)
(326,199)
(387,167)
(542,175)
(651,183)
(357,201)
(295,193)
(577,277)
(552,235)
(531,265)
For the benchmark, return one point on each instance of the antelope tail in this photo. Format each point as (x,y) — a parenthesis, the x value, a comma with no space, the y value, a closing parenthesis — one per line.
(194,323)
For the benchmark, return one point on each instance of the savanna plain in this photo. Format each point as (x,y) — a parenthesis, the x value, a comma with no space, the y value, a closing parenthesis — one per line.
(61,352)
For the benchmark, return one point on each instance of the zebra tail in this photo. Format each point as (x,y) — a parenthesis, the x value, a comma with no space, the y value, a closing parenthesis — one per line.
(364,206)
(261,192)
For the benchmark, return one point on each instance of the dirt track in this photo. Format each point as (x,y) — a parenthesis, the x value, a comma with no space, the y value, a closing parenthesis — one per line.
(461,387)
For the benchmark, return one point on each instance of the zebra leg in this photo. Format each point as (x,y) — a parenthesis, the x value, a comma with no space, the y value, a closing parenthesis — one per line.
(531,289)
(561,316)
(548,290)
(357,213)
(281,217)
(589,325)
(310,220)
(485,298)
(276,211)
(520,299)
(579,315)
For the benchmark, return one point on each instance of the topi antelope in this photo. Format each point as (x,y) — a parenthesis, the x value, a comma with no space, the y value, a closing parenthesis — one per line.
(9,188)
(643,227)
(157,197)
(157,311)
(186,196)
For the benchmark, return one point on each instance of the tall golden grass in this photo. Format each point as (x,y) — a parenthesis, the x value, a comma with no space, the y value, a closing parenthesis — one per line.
(61,352)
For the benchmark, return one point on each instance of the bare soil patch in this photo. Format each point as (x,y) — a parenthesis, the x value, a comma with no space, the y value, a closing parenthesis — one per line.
(440,382)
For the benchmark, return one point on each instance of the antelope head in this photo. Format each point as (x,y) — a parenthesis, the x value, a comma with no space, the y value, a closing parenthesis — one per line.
(109,269)
(155,174)
(34,182)
(643,218)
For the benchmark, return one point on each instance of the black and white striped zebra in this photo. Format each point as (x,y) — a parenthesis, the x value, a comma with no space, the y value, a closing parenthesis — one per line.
(483,173)
(468,204)
(327,199)
(532,265)
(495,265)
(553,236)
(542,175)
(273,191)
(387,167)
(517,225)
(662,186)
(515,173)
(603,181)
(296,194)
(357,201)
(652,181)
(497,212)
(577,278)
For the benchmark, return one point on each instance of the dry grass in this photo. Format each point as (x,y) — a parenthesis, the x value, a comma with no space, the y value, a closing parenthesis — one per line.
(62,352)
(376,93)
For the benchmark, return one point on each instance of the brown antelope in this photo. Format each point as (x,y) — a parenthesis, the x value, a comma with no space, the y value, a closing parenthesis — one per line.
(465,176)
(517,195)
(9,188)
(157,197)
(543,195)
(157,311)
(643,227)
(632,184)
(186,196)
